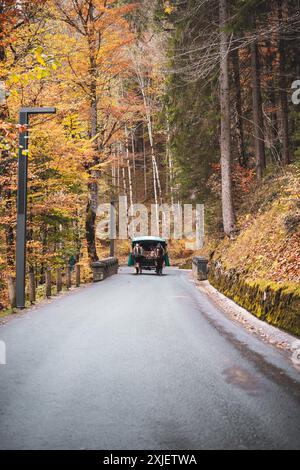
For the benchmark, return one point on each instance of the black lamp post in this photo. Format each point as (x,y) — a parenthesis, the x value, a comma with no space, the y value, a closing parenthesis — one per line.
(22,202)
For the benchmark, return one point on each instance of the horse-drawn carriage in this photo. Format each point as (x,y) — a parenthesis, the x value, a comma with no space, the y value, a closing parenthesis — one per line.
(149,253)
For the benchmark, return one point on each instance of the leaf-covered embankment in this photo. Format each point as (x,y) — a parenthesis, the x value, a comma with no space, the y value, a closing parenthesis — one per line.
(260,268)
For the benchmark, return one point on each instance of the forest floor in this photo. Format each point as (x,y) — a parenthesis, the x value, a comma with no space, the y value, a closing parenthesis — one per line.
(260,267)
(267,244)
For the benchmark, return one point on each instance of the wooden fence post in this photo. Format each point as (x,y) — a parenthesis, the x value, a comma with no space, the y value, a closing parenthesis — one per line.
(77,274)
(48,282)
(12,291)
(31,278)
(58,280)
(68,277)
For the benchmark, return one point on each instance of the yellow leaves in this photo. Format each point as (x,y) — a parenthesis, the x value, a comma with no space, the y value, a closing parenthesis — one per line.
(38,53)
(24,78)
(40,73)
(14,78)
(168,9)
(263,246)
(37,66)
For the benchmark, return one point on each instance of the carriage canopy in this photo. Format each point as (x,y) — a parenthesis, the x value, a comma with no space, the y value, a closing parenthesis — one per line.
(149,241)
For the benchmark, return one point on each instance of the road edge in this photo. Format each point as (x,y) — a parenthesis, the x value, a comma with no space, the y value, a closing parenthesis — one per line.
(285,342)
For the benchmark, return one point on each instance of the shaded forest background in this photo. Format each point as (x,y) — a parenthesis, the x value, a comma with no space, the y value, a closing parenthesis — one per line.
(161,101)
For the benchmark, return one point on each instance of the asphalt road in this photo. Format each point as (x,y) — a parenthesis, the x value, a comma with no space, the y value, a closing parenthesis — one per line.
(142,362)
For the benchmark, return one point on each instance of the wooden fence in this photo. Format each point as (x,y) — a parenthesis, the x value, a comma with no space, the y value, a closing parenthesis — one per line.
(54,279)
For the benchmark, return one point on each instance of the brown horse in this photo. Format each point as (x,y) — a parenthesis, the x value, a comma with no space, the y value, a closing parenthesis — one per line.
(159,253)
(137,253)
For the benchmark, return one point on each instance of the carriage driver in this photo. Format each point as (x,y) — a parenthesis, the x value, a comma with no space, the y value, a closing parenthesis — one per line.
(137,252)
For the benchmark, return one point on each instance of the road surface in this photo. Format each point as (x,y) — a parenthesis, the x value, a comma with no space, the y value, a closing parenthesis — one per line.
(142,362)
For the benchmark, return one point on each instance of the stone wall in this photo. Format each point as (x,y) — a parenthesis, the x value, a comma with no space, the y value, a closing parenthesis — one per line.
(277,304)
(104,268)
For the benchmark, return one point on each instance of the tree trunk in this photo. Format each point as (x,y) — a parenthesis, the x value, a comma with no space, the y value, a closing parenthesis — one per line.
(134,163)
(124,181)
(90,226)
(238,108)
(118,168)
(129,172)
(156,179)
(169,163)
(7,169)
(93,75)
(2,48)
(145,165)
(283,9)
(6,161)
(91,208)
(257,112)
(272,129)
(9,232)
(93,111)
(227,199)
(156,182)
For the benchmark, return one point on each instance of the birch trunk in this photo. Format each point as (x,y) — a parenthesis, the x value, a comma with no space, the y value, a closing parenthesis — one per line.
(118,169)
(129,171)
(123,173)
(156,179)
(169,163)
(134,164)
(124,181)
(145,165)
